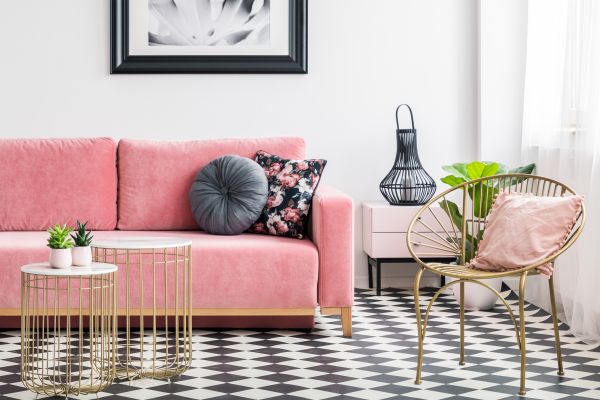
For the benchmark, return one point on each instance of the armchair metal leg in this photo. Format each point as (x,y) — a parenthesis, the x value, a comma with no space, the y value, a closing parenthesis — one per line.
(561,372)
(462,324)
(522,329)
(420,326)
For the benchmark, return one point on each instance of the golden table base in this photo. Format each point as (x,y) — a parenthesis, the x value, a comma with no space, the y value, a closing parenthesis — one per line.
(157,304)
(68,328)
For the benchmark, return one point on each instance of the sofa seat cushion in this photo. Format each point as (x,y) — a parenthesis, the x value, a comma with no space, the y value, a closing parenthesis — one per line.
(57,181)
(245,271)
(155,176)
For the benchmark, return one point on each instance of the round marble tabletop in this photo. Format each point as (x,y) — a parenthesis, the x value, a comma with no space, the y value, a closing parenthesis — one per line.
(44,268)
(147,242)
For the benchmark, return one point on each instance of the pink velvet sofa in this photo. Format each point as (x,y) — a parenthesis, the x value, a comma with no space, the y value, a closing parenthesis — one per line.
(139,188)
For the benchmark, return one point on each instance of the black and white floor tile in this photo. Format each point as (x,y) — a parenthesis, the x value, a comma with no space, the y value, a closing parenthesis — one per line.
(378,362)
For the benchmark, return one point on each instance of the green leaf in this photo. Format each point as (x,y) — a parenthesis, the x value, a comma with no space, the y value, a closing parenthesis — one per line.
(82,237)
(490,169)
(456,217)
(482,196)
(475,169)
(453,180)
(453,212)
(469,252)
(59,237)
(502,169)
(458,170)
(527,169)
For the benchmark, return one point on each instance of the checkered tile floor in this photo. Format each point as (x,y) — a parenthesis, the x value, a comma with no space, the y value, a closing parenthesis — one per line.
(377,363)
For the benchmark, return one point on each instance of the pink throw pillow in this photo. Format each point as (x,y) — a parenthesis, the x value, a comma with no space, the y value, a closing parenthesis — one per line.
(523,229)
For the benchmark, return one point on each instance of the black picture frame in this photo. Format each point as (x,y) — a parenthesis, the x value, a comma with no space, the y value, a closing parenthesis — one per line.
(121,62)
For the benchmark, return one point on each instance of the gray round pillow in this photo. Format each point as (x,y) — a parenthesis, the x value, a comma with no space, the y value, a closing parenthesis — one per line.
(228,195)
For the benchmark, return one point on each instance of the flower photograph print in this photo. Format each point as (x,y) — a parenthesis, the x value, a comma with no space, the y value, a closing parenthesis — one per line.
(208,36)
(209,22)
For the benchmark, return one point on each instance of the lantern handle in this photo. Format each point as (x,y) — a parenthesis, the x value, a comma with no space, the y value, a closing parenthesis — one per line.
(412,121)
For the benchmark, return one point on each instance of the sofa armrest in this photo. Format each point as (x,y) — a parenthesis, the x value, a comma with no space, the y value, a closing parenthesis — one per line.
(332,231)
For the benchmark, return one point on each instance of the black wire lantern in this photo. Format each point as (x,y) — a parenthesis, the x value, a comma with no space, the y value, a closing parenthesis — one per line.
(407,183)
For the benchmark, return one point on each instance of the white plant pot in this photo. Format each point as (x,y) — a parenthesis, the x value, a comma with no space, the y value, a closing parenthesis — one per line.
(82,256)
(477,297)
(60,258)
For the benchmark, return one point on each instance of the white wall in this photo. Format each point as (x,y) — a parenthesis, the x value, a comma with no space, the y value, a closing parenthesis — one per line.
(502,52)
(364,59)
(502,60)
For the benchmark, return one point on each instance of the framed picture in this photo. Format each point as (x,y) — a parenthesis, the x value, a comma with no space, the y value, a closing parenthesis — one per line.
(208,36)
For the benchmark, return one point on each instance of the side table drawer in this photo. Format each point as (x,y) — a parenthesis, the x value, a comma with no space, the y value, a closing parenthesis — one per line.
(393,245)
(397,219)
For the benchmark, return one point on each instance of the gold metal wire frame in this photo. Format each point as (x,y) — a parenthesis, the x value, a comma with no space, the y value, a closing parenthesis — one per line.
(432,232)
(68,333)
(165,351)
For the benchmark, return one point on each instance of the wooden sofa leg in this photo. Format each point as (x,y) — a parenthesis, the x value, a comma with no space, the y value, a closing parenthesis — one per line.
(347,321)
(346,316)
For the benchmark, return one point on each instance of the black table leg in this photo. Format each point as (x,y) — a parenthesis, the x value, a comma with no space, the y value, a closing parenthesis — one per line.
(370,272)
(376,262)
(378,277)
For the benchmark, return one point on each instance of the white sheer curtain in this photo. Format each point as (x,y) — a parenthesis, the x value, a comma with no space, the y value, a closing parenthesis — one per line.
(561,133)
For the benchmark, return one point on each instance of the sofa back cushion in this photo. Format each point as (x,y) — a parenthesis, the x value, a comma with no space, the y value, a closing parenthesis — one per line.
(155,176)
(57,181)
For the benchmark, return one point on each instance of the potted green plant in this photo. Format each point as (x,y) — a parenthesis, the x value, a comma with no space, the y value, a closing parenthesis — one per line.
(82,252)
(476,297)
(60,244)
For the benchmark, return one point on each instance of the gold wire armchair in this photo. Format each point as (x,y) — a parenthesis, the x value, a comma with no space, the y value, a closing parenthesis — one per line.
(449,233)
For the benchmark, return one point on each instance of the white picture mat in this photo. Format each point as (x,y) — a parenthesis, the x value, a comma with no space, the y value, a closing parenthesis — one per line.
(138,35)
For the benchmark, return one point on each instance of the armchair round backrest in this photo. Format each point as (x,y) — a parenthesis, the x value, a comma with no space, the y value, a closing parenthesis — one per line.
(452,223)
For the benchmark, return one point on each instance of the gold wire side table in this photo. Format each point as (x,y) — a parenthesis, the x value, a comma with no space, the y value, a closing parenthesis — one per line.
(156,304)
(68,328)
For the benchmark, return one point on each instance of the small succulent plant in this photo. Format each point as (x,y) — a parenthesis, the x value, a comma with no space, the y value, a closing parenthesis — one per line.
(82,237)
(59,237)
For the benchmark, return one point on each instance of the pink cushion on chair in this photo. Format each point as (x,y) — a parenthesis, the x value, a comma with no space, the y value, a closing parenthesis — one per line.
(155,177)
(523,229)
(49,181)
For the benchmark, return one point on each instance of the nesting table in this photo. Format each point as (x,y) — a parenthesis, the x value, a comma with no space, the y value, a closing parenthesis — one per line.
(157,297)
(68,328)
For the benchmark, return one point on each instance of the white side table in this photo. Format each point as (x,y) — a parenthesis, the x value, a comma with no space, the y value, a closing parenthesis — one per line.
(384,235)
(158,292)
(68,328)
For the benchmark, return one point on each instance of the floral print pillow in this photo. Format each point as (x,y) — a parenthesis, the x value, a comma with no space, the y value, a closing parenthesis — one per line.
(291,187)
